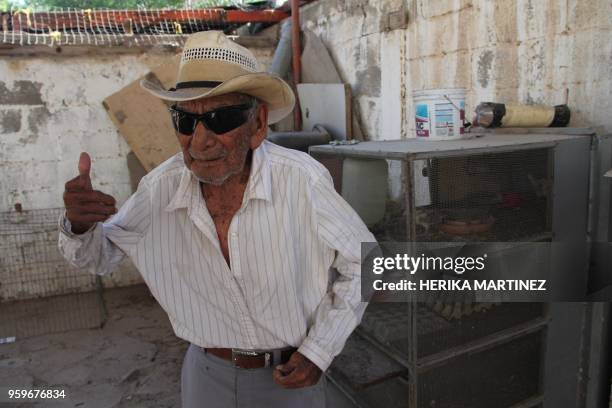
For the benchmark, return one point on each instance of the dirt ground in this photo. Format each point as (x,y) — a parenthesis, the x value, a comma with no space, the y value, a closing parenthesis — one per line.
(133,361)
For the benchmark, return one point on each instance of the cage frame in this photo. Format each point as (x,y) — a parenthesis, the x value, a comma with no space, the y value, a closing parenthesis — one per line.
(569,152)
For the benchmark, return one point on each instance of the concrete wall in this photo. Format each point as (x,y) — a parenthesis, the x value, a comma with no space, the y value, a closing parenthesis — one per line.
(50,111)
(527,51)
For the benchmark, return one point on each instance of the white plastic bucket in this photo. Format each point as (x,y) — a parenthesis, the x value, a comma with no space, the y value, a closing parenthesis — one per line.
(439,113)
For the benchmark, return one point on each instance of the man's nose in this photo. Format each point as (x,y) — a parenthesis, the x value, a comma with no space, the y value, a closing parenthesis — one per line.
(202,138)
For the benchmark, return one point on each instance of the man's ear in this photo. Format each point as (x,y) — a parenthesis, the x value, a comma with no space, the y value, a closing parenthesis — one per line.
(261,123)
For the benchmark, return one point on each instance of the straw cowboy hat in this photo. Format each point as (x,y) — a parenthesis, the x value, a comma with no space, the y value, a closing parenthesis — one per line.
(213,65)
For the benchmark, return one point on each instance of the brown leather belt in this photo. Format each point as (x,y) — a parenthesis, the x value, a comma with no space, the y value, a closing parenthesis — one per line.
(252,359)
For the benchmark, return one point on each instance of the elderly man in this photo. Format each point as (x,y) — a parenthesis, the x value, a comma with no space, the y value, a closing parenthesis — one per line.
(234,236)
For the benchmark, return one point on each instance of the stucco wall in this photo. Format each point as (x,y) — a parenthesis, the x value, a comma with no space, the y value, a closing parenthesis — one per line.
(527,51)
(50,111)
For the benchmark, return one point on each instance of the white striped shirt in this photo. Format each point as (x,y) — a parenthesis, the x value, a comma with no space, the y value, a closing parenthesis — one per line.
(291,229)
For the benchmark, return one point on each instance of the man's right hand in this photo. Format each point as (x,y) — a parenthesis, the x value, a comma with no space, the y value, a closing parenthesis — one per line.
(84,205)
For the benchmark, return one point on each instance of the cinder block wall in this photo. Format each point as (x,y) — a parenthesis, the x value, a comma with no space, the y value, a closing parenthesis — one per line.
(526,51)
(50,111)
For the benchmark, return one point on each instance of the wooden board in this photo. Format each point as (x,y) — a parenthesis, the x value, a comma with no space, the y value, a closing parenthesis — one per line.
(328,105)
(317,65)
(144,120)
(319,68)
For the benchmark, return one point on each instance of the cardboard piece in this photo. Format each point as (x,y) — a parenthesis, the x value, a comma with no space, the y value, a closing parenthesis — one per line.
(328,105)
(143,119)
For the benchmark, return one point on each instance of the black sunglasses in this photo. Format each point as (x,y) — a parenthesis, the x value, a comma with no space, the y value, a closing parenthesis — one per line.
(219,121)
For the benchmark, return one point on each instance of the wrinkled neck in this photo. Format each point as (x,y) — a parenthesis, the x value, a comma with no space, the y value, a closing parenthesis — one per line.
(229,187)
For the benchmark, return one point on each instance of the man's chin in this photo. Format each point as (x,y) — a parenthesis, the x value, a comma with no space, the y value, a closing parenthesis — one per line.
(214,175)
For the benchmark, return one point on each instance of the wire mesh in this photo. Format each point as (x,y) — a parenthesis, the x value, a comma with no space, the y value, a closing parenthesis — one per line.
(496,197)
(141,27)
(455,344)
(498,377)
(39,291)
(391,325)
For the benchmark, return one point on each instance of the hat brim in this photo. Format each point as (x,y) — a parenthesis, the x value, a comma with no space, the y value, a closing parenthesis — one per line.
(269,88)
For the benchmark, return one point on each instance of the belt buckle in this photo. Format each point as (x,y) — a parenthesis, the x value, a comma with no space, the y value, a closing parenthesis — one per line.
(249,353)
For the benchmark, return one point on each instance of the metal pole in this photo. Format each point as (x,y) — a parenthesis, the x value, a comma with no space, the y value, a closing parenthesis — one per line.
(297,64)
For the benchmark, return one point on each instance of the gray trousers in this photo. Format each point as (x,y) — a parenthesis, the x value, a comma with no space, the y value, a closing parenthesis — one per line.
(208,381)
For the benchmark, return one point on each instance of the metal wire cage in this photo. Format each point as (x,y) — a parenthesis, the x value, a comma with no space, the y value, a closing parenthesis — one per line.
(39,291)
(495,197)
(447,352)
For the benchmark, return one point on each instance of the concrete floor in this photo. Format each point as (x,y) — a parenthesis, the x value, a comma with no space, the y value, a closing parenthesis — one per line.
(133,361)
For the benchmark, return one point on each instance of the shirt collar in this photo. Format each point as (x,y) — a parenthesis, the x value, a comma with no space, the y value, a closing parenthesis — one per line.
(258,187)
(260,183)
(184,192)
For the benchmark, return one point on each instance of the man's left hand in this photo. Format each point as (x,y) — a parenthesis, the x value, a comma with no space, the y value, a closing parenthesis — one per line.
(298,372)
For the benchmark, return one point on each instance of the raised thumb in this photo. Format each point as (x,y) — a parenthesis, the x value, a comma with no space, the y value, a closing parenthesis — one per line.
(84,169)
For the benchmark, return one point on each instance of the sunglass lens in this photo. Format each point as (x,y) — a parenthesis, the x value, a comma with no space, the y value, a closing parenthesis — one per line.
(184,124)
(222,121)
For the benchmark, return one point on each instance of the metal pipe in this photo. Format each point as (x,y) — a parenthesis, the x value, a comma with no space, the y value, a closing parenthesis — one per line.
(300,140)
(297,64)
(282,54)
(59,20)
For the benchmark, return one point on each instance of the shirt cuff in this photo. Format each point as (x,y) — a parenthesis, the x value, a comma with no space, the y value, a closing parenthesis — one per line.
(316,354)
(66,228)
